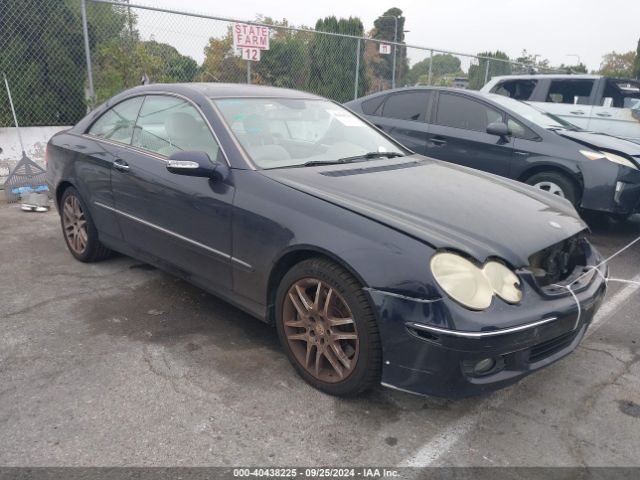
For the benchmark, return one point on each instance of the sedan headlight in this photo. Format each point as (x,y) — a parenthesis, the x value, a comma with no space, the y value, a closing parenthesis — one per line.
(504,282)
(472,286)
(612,157)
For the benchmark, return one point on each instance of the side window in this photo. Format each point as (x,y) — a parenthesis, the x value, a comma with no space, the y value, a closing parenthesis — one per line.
(169,124)
(621,94)
(574,92)
(518,89)
(117,123)
(518,130)
(407,106)
(372,107)
(459,112)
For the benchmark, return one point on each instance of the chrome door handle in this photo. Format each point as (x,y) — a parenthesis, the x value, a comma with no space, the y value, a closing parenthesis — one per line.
(578,112)
(121,165)
(606,115)
(438,141)
(521,153)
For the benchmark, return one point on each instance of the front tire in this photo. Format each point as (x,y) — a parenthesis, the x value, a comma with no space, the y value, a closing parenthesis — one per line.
(79,231)
(557,184)
(327,328)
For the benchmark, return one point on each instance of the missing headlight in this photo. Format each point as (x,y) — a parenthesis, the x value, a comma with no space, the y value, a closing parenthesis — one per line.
(557,262)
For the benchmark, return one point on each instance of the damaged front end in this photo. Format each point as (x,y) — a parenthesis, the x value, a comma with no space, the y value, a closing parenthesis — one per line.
(559,262)
(610,188)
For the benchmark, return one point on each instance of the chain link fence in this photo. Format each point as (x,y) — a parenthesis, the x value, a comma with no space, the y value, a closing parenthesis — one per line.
(62,60)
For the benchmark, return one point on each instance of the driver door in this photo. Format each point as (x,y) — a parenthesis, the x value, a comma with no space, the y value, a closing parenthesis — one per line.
(181,221)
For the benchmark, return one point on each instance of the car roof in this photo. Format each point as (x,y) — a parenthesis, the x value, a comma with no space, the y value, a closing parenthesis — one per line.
(464,91)
(581,76)
(223,90)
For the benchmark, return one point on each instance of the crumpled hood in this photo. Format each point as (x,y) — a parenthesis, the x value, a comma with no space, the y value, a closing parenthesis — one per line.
(444,205)
(602,141)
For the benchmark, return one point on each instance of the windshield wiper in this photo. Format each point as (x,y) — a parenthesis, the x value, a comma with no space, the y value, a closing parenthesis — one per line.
(364,156)
(367,156)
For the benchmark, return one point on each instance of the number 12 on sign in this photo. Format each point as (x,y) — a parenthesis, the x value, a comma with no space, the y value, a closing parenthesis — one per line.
(251,54)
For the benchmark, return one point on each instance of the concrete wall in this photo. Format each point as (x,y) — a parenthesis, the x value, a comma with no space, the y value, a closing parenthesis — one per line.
(34,138)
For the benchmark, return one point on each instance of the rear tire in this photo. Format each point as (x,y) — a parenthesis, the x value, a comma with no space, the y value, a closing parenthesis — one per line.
(327,328)
(557,184)
(78,229)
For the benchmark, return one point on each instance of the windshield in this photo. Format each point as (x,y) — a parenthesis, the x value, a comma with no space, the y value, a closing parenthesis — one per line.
(281,132)
(533,114)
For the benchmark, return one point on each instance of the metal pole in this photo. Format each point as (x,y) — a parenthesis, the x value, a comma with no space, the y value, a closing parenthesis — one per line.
(395,48)
(486,73)
(13,111)
(430,65)
(355,88)
(85,31)
(249,71)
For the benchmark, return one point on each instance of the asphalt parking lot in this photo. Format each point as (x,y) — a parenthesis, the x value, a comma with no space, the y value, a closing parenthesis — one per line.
(119,364)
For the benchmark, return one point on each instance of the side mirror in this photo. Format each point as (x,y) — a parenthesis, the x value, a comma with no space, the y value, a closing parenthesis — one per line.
(196,164)
(498,128)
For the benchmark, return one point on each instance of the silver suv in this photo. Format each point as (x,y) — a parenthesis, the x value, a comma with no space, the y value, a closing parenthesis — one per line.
(592,102)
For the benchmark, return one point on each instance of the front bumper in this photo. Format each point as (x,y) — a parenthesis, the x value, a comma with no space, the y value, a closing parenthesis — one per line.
(610,188)
(421,356)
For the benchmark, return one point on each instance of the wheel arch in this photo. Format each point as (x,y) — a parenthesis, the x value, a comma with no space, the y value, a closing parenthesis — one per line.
(60,189)
(574,176)
(292,256)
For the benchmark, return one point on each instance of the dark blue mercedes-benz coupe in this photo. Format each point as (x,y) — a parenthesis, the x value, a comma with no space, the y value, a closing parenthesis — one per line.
(375,264)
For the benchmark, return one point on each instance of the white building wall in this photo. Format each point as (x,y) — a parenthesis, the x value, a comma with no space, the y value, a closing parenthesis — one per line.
(35,140)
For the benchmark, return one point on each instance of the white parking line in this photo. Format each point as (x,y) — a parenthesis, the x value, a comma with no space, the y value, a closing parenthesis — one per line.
(440,444)
(611,306)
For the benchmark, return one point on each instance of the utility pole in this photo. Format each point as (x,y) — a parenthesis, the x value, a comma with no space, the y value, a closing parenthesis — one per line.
(395,47)
(87,52)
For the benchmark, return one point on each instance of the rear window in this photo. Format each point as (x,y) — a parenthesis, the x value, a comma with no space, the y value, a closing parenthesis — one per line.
(516,89)
(117,123)
(621,94)
(407,105)
(460,112)
(372,106)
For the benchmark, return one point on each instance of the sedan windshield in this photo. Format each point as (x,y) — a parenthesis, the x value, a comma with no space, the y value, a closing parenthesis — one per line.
(282,132)
(533,114)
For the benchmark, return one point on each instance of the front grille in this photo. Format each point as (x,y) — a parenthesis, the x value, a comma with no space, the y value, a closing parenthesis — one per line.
(548,348)
(557,262)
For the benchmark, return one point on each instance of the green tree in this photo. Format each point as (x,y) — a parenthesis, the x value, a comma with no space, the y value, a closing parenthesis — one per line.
(487,68)
(636,64)
(121,61)
(221,63)
(618,64)
(579,68)
(385,29)
(444,65)
(333,60)
(176,67)
(41,51)
(286,63)
(529,63)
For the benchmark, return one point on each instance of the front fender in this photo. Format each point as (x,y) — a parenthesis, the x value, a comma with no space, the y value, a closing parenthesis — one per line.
(272,221)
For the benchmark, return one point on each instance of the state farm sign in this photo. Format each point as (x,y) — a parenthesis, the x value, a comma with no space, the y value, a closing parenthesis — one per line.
(250,36)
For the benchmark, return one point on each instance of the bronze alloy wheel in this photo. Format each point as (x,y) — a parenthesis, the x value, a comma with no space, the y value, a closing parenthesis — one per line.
(74,224)
(320,330)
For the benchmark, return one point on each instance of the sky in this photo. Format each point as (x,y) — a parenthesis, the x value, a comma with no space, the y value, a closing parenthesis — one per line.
(554,29)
